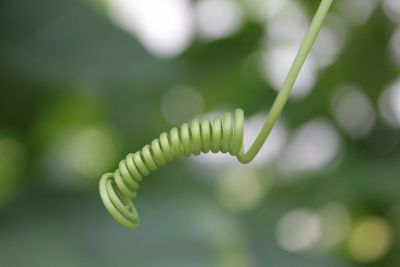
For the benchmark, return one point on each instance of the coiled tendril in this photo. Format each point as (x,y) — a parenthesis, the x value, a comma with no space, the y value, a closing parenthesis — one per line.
(223,134)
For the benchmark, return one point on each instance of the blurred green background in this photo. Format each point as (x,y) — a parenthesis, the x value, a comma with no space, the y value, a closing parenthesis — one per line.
(83,83)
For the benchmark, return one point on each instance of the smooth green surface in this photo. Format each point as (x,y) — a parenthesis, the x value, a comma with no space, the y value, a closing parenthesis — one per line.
(223,134)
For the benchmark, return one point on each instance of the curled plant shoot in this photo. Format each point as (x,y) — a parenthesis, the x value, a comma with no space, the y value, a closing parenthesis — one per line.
(223,134)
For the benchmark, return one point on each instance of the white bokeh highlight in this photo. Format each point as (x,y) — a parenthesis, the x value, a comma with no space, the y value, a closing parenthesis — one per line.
(331,41)
(312,147)
(353,111)
(389,104)
(287,27)
(392,9)
(357,12)
(164,27)
(299,230)
(395,46)
(282,40)
(276,63)
(217,18)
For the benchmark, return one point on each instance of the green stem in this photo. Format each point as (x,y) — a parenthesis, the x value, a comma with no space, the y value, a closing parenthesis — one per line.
(287,87)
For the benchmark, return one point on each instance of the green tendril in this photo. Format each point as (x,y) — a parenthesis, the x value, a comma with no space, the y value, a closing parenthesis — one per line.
(287,87)
(223,134)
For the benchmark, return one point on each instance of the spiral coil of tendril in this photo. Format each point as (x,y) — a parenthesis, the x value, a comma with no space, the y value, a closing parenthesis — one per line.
(223,134)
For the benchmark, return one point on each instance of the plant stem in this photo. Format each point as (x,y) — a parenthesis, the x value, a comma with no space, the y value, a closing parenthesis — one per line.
(283,95)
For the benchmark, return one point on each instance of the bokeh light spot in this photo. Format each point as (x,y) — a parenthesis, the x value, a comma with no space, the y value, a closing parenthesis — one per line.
(91,152)
(217,18)
(356,12)
(85,152)
(353,111)
(336,223)
(312,147)
(370,239)
(241,188)
(165,27)
(330,41)
(276,63)
(298,230)
(392,9)
(288,27)
(395,46)
(389,104)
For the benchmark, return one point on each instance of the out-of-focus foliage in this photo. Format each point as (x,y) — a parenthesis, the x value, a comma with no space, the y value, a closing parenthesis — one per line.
(82,83)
